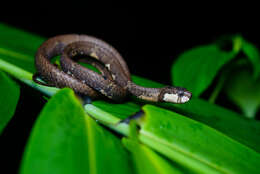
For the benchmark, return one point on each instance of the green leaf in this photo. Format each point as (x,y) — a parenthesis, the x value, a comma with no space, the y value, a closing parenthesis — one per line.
(106,152)
(228,122)
(195,145)
(253,55)
(120,110)
(147,161)
(244,91)
(17,50)
(66,140)
(18,47)
(188,143)
(195,69)
(9,96)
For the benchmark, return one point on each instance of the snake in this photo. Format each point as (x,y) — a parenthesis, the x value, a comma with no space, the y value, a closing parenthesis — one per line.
(113,79)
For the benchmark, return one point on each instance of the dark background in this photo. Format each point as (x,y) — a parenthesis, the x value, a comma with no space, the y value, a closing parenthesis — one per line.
(148,41)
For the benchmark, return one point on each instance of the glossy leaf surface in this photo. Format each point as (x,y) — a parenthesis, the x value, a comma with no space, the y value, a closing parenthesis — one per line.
(194,144)
(65,140)
(147,161)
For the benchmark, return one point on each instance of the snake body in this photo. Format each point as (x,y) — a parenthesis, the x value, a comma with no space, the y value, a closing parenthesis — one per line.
(114,81)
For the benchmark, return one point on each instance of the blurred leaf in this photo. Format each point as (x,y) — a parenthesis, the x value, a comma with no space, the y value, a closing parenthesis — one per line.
(9,96)
(147,161)
(253,55)
(195,145)
(19,40)
(195,69)
(66,140)
(244,91)
(18,47)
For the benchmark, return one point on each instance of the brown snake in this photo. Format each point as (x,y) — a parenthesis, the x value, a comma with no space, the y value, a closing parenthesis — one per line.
(114,81)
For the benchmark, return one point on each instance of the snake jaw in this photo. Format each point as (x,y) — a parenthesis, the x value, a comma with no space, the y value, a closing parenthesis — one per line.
(175,95)
(173,98)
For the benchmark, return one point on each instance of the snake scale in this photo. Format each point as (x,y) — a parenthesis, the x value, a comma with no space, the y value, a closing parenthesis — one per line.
(113,81)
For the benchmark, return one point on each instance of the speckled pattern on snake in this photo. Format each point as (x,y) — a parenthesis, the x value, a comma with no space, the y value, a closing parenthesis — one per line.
(113,81)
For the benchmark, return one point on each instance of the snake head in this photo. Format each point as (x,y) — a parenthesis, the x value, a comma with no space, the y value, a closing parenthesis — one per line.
(175,95)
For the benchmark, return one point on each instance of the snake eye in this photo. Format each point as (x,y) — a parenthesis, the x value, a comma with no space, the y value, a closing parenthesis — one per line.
(180,93)
(186,96)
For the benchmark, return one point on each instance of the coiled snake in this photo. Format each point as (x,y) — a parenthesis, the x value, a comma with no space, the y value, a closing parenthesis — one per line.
(114,81)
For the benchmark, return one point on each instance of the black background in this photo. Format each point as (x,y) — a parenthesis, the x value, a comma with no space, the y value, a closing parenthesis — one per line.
(148,41)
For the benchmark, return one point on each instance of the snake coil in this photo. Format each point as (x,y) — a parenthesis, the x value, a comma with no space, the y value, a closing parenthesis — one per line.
(114,81)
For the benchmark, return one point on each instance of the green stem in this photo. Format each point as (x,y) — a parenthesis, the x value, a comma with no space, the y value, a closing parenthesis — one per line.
(217,89)
(107,119)
(26,77)
(237,43)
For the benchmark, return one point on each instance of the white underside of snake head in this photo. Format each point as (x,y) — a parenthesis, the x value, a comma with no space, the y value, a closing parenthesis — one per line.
(174,98)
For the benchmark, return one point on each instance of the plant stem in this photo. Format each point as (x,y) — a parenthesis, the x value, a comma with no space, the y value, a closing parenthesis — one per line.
(217,89)
(25,77)
(107,119)
(98,114)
